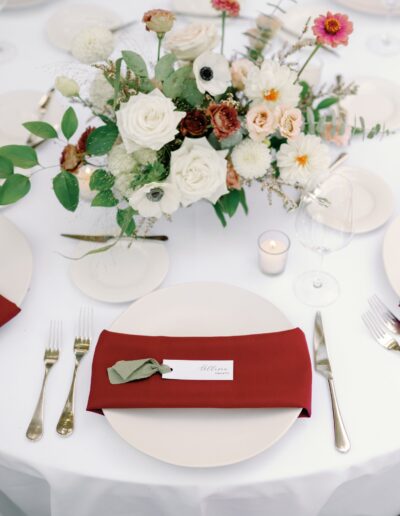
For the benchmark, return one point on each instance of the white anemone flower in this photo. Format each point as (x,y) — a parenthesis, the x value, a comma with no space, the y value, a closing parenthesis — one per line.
(212,73)
(155,199)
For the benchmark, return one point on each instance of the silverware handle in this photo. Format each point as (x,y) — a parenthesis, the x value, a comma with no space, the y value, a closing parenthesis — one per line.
(342,442)
(35,428)
(65,425)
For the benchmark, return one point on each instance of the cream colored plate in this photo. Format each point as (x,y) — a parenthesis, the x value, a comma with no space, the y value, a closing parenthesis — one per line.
(15,262)
(296,17)
(17,107)
(367,6)
(66,23)
(123,273)
(201,437)
(391,254)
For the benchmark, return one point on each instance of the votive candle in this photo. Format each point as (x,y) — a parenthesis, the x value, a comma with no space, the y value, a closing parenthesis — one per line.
(273,248)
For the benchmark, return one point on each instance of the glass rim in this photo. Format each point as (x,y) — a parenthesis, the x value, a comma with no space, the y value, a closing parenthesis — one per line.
(289,243)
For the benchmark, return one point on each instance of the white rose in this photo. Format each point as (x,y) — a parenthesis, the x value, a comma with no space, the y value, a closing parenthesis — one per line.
(148,120)
(66,86)
(198,171)
(191,41)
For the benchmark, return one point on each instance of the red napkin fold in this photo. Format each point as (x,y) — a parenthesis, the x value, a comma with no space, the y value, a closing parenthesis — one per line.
(8,310)
(270,370)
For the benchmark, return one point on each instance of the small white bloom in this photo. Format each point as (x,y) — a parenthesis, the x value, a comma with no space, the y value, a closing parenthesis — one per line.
(155,199)
(300,158)
(251,159)
(198,171)
(273,84)
(148,120)
(145,156)
(191,41)
(93,44)
(66,86)
(123,184)
(100,92)
(119,161)
(212,73)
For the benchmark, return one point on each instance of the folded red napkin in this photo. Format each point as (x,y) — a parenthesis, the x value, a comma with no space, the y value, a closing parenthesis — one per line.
(270,370)
(8,310)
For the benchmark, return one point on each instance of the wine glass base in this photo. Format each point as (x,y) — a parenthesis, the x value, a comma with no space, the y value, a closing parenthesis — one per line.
(7,51)
(388,46)
(308,293)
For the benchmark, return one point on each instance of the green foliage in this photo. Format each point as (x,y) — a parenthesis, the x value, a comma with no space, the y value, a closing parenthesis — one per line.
(175,84)
(66,188)
(231,141)
(229,203)
(6,168)
(165,67)
(305,90)
(152,172)
(41,129)
(14,188)
(135,63)
(105,198)
(126,221)
(330,101)
(69,123)
(191,94)
(102,139)
(101,180)
(117,81)
(21,156)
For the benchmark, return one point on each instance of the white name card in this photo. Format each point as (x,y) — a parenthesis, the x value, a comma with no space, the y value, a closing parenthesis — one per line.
(199,369)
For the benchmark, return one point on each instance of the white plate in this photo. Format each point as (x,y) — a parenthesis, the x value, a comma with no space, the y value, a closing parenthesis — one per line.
(391,255)
(367,6)
(68,21)
(201,437)
(123,273)
(17,107)
(385,111)
(296,17)
(20,4)
(15,262)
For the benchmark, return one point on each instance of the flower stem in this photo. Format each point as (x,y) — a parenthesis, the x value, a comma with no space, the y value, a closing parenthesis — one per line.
(317,47)
(160,36)
(223,18)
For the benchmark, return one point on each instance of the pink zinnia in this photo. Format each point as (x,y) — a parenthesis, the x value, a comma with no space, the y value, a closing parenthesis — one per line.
(231,7)
(332,29)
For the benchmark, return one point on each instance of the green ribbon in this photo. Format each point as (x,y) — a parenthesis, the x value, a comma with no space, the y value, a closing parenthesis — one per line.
(131,370)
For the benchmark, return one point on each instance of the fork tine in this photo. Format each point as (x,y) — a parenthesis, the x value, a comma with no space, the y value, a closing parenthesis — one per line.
(373,325)
(367,323)
(382,308)
(51,335)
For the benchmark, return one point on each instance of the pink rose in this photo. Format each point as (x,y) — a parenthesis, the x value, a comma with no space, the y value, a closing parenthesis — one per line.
(289,122)
(260,122)
(339,134)
(239,71)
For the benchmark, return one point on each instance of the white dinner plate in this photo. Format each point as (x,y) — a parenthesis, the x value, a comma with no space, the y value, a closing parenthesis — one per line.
(367,6)
(201,437)
(296,17)
(15,262)
(377,101)
(121,274)
(391,254)
(20,4)
(17,107)
(68,21)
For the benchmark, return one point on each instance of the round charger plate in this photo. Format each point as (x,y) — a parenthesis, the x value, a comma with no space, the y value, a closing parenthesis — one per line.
(17,107)
(21,4)
(121,274)
(391,254)
(201,437)
(15,262)
(68,21)
(367,6)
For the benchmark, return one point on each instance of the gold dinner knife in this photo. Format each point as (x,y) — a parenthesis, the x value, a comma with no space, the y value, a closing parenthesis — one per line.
(107,238)
(42,108)
(323,366)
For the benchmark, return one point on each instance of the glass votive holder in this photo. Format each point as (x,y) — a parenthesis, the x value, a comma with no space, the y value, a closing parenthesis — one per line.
(273,250)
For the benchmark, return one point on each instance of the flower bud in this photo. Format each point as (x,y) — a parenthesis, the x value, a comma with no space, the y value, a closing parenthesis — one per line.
(159,20)
(66,86)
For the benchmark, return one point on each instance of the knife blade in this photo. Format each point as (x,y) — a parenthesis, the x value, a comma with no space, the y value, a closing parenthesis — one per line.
(106,238)
(323,366)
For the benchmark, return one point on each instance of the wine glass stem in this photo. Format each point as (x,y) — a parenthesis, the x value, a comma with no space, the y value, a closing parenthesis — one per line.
(317,283)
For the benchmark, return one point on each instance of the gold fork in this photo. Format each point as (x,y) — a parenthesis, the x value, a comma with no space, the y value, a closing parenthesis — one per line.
(65,425)
(51,354)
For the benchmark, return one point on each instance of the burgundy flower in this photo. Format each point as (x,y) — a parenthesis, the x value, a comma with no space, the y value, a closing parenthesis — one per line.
(224,119)
(82,142)
(195,123)
(70,159)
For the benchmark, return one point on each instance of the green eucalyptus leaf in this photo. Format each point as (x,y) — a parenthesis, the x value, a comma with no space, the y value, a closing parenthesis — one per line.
(220,213)
(174,85)
(105,198)
(230,202)
(191,94)
(41,129)
(165,67)
(232,140)
(69,123)
(126,221)
(66,188)
(327,103)
(14,188)
(101,140)
(243,201)
(145,85)
(135,63)
(101,180)
(6,168)
(21,156)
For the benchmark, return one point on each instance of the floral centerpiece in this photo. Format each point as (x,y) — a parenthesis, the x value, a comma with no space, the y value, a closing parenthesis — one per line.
(193,126)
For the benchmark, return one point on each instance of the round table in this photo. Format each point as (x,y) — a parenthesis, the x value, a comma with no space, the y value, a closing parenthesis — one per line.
(94,472)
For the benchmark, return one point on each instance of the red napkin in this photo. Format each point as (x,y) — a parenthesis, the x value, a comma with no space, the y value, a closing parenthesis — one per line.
(8,310)
(270,370)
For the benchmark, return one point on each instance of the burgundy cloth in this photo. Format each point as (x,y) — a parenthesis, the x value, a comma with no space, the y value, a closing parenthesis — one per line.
(8,310)
(270,370)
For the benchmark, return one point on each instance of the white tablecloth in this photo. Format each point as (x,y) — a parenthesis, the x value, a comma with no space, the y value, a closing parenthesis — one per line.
(94,472)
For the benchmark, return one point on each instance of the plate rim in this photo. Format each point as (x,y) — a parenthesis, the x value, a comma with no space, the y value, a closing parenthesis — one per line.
(394,224)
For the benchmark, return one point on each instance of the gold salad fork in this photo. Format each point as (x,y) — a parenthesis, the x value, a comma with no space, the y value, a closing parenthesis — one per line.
(51,354)
(65,425)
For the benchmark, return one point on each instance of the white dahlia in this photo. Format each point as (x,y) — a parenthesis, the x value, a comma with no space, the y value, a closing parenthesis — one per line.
(299,159)
(100,92)
(251,159)
(155,199)
(93,44)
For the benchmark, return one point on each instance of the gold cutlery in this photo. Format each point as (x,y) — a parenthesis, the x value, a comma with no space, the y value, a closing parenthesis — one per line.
(338,161)
(66,423)
(42,108)
(388,319)
(107,238)
(322,365)
(51,354)
(378,331)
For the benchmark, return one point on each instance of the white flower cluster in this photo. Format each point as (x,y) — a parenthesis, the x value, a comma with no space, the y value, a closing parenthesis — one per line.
(93,44)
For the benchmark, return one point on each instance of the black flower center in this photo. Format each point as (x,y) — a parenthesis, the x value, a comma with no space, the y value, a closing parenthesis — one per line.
(206,73)
(155,194)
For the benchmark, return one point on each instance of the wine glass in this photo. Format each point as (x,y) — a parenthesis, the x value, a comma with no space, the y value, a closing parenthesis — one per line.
(324,223)
(386,44)
(7,50)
